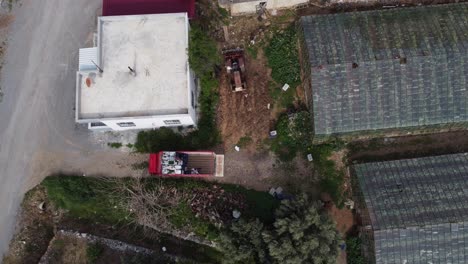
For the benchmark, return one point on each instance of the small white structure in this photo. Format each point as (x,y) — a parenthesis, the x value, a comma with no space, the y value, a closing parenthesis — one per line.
(138,76)
(241,7)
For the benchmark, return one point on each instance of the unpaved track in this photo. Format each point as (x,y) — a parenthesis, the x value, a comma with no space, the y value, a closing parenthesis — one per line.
(37,131)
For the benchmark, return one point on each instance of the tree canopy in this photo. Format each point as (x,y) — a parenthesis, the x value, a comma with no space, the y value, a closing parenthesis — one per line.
(301,233)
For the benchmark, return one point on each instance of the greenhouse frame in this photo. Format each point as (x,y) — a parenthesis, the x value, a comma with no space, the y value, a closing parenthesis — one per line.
(386,69)
(414,210)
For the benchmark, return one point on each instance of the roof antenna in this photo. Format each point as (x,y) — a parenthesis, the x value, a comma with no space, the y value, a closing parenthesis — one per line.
(100,70)
(132,71)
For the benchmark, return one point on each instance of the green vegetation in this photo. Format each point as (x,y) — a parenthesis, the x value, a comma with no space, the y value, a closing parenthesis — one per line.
(160,139)
(301,233)
(93,252)
(283,59)
(353,251)
(129,145)
(261,204)
(332,179)
(244,141)
(182,216)
(114,144)
(284,98)
(100,199)
(88,198)
(203,57)
(294,134)
(223,12)
(253,51)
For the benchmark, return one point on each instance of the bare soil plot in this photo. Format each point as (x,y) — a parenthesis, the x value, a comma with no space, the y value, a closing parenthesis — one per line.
(246,114)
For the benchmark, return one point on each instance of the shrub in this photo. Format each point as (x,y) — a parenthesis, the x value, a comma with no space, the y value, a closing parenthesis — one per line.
(159,139)
(93,252)
(114,144)
(353,251)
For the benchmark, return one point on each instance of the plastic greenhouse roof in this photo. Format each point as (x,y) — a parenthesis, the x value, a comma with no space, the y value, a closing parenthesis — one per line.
(418,208)
(384,69)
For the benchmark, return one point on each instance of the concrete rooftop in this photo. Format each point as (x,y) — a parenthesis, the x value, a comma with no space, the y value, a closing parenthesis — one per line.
(155,46)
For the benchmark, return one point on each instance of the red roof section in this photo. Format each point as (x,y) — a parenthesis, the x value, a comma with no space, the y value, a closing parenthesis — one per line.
(143,7)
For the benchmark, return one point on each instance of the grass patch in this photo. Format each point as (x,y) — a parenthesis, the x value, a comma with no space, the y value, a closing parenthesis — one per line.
(284,98)
(114,145)
(244,141)
(183,216)
(332,179)
(87,198)
(294,134)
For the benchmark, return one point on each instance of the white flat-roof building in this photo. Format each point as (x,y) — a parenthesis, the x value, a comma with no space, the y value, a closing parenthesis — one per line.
(138,76)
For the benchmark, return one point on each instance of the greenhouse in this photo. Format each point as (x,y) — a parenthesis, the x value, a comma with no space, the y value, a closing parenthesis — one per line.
(387,69)
(414,210)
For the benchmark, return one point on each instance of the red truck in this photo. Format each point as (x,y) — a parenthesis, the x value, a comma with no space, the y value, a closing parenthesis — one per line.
(186,164)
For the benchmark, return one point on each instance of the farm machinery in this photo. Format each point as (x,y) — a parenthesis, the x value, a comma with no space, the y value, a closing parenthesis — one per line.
(235,66)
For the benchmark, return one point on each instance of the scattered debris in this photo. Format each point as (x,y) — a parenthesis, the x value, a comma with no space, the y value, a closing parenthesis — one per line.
(350,204)
(272,191)
(236,214)
(41,206)
(273,134)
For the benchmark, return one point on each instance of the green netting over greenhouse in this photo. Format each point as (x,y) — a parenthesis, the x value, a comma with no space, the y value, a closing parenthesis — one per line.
(384,69)
(418,208)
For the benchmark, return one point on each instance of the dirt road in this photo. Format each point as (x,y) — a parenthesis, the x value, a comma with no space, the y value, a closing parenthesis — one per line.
(37,131)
